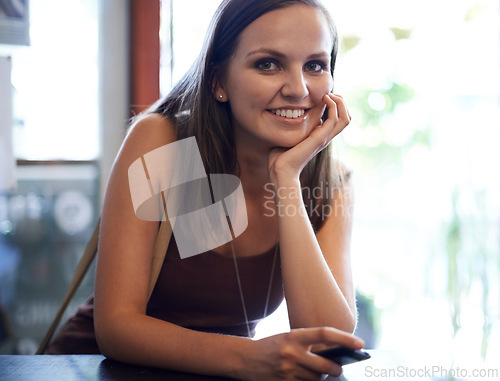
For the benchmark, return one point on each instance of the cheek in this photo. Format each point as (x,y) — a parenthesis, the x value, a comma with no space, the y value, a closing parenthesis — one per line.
(250,99)
(246,90)
(259,90)
(321,87)
(317,90)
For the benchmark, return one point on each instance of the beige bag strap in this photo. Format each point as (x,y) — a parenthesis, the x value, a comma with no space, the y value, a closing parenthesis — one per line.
(160,249)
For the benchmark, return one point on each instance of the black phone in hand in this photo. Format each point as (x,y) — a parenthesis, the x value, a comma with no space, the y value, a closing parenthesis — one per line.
(344,355)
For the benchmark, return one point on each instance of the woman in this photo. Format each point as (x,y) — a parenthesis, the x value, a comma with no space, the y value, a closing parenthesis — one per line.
(258,103)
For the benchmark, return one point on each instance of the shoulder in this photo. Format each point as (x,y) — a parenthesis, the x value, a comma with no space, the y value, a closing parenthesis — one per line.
(147,133)
(340,174)
(151,129)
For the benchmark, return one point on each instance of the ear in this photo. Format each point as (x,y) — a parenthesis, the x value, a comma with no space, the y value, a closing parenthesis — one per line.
(218,91)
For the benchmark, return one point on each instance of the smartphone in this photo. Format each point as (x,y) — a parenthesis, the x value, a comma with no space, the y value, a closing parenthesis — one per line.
(344,355)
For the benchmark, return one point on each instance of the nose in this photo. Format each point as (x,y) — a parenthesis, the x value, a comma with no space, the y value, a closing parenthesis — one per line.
(294,85)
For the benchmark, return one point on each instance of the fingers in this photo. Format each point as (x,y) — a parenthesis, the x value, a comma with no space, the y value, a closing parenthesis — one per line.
(328,336)
(338,119)
(289,354)
(323,365)
(323,335)
(338,115)
(343,112)
(342,100)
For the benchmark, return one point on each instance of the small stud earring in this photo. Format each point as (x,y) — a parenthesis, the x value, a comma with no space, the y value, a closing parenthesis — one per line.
(221,96)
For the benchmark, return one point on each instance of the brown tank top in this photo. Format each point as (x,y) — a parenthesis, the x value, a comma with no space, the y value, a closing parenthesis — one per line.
(202,293)
(199,293)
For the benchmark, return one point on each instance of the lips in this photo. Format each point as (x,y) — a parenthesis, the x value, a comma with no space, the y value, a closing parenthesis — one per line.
(289,113)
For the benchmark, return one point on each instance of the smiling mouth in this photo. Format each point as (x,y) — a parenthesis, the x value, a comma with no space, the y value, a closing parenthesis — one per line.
(288,113)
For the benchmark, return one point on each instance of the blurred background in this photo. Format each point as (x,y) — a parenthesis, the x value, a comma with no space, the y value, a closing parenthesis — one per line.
(421,80)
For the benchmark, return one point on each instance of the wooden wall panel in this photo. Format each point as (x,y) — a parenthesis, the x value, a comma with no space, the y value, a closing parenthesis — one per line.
(144,54)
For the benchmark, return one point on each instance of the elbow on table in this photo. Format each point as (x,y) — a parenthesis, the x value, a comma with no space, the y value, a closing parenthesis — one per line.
(120,336)
(104,342)
(108,335)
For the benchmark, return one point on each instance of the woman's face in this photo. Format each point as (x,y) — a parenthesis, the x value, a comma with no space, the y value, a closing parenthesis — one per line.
(278,75)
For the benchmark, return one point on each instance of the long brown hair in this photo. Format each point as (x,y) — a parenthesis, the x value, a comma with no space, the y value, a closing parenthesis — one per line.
(195,111)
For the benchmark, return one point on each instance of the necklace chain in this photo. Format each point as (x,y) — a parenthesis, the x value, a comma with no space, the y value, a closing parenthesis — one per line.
(240,288)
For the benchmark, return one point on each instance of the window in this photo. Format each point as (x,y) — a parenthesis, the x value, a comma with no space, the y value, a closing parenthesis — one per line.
(46,221)
(55,83)
(423,89)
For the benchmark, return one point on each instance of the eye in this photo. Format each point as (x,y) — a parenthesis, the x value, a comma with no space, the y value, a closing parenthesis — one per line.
(267,65)
(315,66)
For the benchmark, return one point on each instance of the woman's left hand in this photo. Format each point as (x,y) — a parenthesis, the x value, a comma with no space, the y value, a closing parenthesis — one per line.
(291,161)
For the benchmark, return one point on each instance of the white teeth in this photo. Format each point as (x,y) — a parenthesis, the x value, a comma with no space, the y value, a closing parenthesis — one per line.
(292,114)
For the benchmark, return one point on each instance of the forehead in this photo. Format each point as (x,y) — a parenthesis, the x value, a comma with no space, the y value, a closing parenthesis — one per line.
(291,28)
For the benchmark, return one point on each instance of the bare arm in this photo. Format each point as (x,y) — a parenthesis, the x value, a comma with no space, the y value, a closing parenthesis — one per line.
(316,267)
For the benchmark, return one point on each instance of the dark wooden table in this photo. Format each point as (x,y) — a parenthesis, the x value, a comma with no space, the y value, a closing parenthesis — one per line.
(85,368)
(82,367)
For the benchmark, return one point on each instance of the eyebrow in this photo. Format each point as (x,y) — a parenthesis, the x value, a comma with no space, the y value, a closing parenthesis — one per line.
(281,55)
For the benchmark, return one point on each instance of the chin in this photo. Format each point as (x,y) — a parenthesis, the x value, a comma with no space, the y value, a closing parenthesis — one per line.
(288,139)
